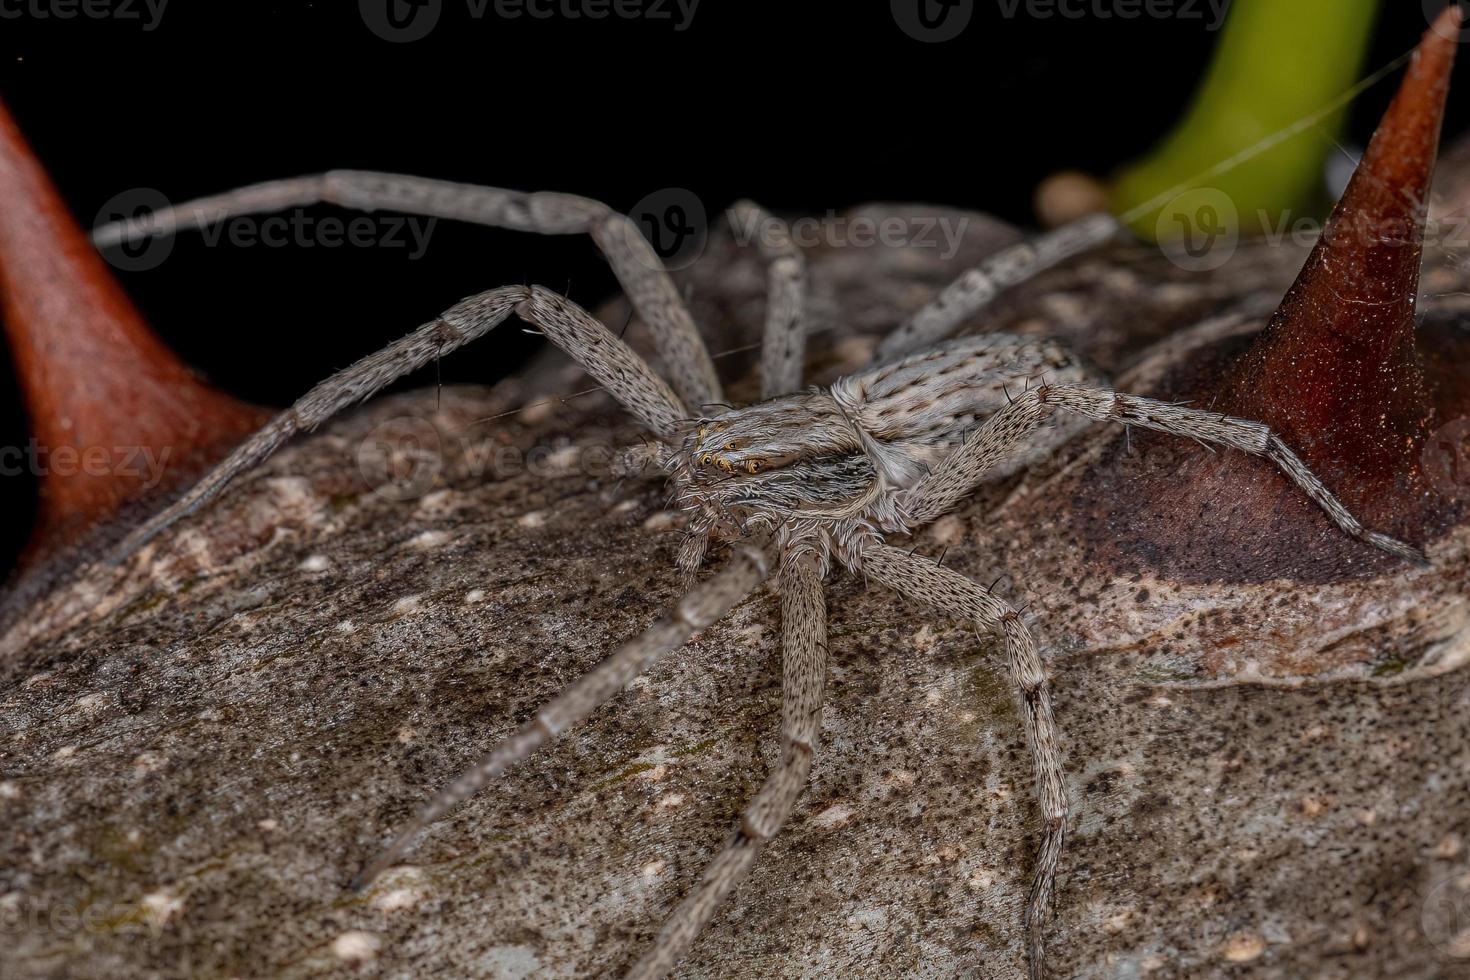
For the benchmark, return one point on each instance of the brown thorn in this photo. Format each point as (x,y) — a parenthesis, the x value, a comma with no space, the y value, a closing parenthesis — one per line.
(102,392)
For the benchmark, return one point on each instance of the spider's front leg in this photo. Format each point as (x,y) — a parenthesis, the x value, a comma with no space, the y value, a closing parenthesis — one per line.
(803,686)
(602,354)
(637,266)
(1005,431)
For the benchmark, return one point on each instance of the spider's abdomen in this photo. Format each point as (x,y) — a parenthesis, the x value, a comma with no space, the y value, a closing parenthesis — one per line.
(913,411)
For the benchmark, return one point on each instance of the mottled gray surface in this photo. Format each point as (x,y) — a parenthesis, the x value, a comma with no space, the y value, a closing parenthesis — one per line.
(200,749)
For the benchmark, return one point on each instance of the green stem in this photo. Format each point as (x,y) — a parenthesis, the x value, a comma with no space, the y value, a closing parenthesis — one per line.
(1277,62)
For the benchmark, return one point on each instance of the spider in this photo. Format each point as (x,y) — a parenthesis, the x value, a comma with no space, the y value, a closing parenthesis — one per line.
(795,484)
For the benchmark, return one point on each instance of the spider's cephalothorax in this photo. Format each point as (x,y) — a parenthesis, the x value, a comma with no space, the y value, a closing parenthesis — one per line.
(807,477)
(838,460)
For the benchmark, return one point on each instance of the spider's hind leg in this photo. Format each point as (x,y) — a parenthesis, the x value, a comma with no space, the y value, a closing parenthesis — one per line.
(697,610)
(974,290)
(928,582)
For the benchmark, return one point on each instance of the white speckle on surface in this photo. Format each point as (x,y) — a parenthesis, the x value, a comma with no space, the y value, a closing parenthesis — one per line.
(91,703)
(408,604)
(9,791)
(835,815)
(654,868)
(901,777)
(161,907)
(624,506)
(64,754)
(564,459)
(428,540)
(923,640)
(397,900)
(474,597)
(538,411)
(654,774)
(981,879)
(509,963)
(535,518)
(399,889)
(407,735)
(1243,946)
(948,531)
(356,946)
(346,627)
(149,761)
(268,824)
(1449,847)
(315,563)
(435,502)
(669,800)
(874,918)
(664,520)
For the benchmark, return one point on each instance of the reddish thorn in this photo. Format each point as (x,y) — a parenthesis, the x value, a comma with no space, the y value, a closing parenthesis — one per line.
(1340,372)
(1337,372)
(101,390)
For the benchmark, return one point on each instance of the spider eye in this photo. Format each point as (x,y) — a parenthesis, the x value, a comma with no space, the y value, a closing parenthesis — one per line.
(729,447)
(753,467)
(707,459)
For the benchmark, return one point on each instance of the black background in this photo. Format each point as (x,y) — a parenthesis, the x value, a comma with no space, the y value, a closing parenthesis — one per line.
(803,106)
